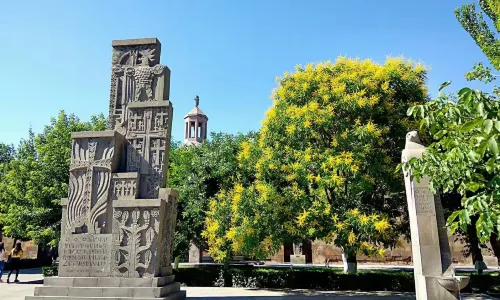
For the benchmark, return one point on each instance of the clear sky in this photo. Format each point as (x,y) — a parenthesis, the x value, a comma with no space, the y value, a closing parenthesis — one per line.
(57,54)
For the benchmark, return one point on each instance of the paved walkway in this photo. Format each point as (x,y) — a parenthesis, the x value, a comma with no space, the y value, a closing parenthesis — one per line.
(29,278)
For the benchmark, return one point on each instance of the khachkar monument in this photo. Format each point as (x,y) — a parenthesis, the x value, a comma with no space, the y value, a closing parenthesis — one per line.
(118,220)
(434,273)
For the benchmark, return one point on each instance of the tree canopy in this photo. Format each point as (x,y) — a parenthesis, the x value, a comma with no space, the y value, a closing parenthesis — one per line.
(485,37)
(324,161)
(464,156)
(199,172)
(37,178)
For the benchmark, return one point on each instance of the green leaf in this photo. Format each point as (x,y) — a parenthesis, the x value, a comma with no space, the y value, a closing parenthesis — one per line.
(410,110)
(487,125)
(471,125)
(497,125)
(473,186)
(492,145)
(480,108)
(452,217)
(474,156)
(465,94)
(464,219)
(440,134)
(490,165)
(444,84)
(453,227)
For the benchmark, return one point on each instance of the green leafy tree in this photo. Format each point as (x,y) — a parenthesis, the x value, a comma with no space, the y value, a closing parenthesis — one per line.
(199,173)
(464,157)
(6,153)
(37,178)
(484,36)
(326,150)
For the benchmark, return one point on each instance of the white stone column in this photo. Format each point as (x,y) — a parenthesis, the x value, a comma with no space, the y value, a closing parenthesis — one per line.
(429,237)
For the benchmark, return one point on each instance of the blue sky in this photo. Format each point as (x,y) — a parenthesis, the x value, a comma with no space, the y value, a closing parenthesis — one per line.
(57,54)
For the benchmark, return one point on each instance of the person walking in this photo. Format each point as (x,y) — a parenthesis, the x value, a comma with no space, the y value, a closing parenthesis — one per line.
(15,261)
(2,260)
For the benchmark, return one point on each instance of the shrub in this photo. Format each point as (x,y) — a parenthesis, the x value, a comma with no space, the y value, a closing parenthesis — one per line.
(50,271)
(316,278)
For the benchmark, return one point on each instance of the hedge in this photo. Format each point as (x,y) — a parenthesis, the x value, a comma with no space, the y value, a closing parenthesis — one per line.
(317,278)
(332,279)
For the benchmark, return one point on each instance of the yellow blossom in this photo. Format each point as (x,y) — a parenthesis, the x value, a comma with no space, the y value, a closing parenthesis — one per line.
(307,123)
(364,219)
(355,168)
(310,177)
(340,226)
(290,129)
(302,218)
(370,127)
(385,86)
(334,142)
(231,233)
(318,178)
(245,151)
(353,212)
(382,225)
(381,252)
(351,239)
(238,188)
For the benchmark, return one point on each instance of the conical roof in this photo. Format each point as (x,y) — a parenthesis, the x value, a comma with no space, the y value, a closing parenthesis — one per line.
(196,112)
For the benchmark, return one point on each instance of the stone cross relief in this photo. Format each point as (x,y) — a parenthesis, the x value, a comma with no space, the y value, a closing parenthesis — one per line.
(83,210)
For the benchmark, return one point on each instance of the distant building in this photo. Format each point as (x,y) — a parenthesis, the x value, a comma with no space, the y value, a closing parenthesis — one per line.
(195,129)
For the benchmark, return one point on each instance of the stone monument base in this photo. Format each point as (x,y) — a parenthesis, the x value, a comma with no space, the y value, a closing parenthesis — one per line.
(433,289)
(110,288)
(297,259)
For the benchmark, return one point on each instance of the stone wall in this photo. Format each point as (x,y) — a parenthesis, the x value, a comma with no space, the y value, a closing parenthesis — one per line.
(400,255)
(30,249)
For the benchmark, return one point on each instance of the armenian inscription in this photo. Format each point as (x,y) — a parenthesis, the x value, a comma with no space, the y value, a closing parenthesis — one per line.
(86,255)
(424,201)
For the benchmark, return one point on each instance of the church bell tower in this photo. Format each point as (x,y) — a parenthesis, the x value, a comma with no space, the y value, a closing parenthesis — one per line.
(195,129)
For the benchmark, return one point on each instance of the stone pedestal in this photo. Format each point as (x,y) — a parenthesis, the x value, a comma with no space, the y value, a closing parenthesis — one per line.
(429,238)
(195,253)
(117,227)
(297,259)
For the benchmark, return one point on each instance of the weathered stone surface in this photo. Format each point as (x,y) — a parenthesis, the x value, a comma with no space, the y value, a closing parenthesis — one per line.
(429,237)
(85,255)
(194,253)
(119,218)
(297,259)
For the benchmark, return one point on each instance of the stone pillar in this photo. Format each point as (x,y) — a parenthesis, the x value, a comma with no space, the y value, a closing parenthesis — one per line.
(429,238)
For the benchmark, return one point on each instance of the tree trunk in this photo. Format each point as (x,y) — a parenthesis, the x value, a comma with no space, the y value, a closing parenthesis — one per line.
(350,263)
(495,245)
(475,250)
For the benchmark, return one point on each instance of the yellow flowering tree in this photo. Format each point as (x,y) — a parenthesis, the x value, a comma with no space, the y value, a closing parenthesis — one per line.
(323,162)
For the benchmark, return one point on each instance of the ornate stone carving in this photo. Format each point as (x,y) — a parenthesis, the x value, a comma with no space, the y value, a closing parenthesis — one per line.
(119,219)
(135,242)
(124,186)
(89,183)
